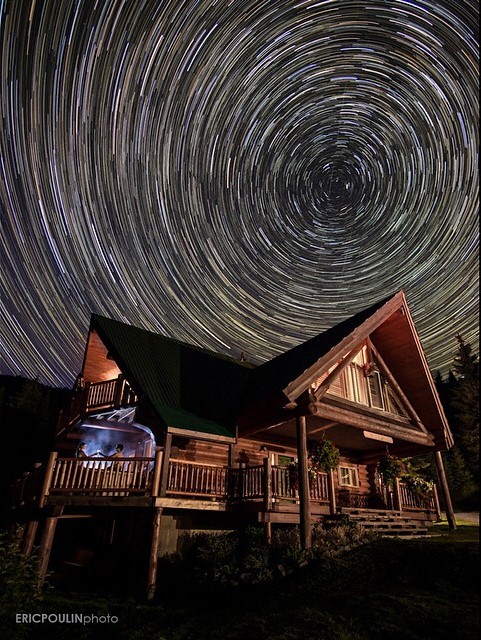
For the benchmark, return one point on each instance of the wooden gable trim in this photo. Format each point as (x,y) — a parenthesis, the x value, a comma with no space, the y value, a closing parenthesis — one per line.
(302,382)
(400,393)
(325,384)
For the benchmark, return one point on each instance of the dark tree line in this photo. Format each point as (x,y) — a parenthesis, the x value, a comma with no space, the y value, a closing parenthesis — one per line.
(28,417)
(459,394)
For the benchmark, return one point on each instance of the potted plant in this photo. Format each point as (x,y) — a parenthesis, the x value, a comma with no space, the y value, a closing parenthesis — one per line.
(293,471)
(324,456)
(419,486)
(390,468)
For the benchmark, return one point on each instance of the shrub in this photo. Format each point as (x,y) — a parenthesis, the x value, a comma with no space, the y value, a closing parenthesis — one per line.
(19,591)
(216,556)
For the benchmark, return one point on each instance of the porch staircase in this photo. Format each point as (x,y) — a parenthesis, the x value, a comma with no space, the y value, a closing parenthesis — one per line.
(388,523)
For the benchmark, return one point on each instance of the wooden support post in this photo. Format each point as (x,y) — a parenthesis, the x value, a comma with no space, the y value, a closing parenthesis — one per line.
(397,495)
(231,462)
(157,470)
(164,474)
(267,483)
(119,390)
(47,480)
(331,492)
(304,491)
(445,490)
(29,536)
(436,503)
(154,554)
(85,398)
(268,532)
(45,548)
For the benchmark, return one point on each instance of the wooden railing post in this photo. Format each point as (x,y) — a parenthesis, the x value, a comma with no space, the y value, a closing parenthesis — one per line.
(397,495)
(164,474)
(85,398)
(331,492)
(437,506)
(157,469)
(267,470)
(47,480)
(119,389)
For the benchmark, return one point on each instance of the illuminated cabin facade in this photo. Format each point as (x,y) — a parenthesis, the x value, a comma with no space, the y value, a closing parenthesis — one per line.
(210,442)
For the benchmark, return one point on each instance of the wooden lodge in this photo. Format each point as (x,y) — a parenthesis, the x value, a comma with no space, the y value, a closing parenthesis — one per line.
(209,442)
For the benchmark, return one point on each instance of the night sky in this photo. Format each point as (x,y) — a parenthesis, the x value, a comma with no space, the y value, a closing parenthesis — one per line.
(237,174)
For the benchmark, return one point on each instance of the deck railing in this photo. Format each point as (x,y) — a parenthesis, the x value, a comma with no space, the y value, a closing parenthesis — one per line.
(135,476)
(195,479)
(102,477)
(284,486)
(411,501)
(28,488)
(98,395)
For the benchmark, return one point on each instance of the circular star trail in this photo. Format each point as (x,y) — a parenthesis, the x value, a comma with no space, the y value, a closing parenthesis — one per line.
(239,175)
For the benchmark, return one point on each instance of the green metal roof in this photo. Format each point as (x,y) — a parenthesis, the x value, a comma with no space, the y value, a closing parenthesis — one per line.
(189,387)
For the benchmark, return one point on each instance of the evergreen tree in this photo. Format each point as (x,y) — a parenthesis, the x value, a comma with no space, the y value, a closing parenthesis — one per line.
(465,403)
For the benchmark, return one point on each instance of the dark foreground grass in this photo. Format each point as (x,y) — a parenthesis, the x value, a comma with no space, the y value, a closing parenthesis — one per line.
(390,590)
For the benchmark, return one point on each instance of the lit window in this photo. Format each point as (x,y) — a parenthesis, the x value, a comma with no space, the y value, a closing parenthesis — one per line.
(348,477)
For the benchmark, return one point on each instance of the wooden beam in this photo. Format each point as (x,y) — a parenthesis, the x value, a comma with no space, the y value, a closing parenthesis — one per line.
(325,384)
(445,490)
(393,382)
(199,435)
(304,492)
(350,418)
(154,553)
(324,427)
(45,548)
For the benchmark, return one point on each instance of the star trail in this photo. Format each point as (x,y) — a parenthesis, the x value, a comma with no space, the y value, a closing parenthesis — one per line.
(236,174)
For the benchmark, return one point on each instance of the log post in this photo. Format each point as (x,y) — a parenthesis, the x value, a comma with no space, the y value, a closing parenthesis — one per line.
(397,495)
(154,554)
(157,470)
(267,483)
(47,479)
(45,548)
(85,398)
(331,492)
(29,536)
(445,490)
(304,491)
(437,506)
(231,462)
(164,473)
(119,390)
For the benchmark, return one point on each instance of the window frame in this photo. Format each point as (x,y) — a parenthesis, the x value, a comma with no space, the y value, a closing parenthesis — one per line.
(353,474)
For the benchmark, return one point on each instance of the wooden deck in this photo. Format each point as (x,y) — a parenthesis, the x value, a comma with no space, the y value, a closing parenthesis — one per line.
(181,484)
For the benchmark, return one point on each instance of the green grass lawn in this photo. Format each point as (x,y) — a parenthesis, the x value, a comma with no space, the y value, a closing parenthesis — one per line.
(393,589)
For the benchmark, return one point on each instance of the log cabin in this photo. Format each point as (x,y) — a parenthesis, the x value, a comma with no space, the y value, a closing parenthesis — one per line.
(209,442)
